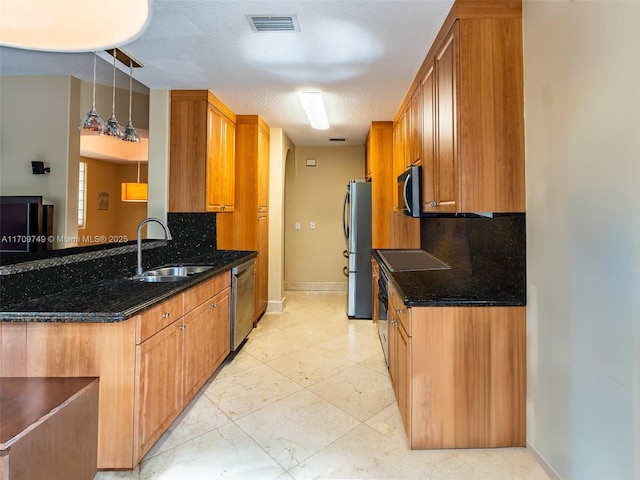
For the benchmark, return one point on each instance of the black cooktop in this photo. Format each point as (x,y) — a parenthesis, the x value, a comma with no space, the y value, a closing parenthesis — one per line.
(410,260)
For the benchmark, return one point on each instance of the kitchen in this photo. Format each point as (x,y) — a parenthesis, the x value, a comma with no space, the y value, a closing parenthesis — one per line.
(577,365)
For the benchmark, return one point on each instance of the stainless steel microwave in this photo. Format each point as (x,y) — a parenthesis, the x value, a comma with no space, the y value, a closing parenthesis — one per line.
(410,191)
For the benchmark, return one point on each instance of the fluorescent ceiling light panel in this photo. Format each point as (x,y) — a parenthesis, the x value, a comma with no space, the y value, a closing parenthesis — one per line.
(71,25)
(314,108)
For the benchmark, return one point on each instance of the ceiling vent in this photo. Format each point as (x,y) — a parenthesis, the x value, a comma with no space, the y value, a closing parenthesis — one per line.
(274,23)
(338,139)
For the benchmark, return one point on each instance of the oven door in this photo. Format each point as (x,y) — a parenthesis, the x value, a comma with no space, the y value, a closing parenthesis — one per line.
(383,323)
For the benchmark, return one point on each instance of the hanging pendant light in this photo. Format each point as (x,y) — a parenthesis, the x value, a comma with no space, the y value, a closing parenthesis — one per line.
(112,128)
(135,192)
(130,134)
(92,122)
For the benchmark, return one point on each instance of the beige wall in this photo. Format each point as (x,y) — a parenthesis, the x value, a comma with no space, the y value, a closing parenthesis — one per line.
(120,220)
(313,258)
(282,151)
(582,101)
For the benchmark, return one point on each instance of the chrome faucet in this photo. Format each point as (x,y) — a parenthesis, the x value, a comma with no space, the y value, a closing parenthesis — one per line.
(167,236)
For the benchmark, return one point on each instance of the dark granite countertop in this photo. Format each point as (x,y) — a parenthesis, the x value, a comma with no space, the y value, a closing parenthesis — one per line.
(452,287)
(115,299)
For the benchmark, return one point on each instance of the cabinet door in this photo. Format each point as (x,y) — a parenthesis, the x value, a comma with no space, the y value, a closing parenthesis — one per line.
(158,386)
(263,170)
(198,362)
(415,127)
(262,287)
(428,139)
(446,172)
(220,317)
(403,380)
(398,161)
(220,161)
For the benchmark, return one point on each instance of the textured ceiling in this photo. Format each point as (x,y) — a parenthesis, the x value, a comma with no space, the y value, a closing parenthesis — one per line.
(362,54)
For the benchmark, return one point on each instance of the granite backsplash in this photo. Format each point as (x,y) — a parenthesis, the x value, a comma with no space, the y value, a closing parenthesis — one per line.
(24,278)
(491,248)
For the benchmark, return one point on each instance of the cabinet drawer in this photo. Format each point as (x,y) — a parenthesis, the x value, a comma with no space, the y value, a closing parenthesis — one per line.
(204,291)
(402,312)
(158,317)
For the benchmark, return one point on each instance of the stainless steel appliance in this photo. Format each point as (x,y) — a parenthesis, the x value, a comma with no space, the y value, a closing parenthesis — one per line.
(356,219)
(410,191)
(242,302)
(383,306)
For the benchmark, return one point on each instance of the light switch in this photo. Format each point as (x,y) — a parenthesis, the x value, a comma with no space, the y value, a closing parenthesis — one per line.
(312,225)
(297,225)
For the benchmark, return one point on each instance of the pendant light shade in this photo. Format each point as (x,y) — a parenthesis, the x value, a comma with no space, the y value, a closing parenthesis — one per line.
(92,122)
(112,128)
(129,134)
(135,191)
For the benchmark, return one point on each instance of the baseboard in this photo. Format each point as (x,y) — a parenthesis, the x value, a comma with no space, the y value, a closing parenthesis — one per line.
(553,475)
(275,306)
(316,286)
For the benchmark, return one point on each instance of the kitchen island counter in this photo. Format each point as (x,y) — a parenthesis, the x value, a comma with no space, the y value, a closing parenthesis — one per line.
(117,298)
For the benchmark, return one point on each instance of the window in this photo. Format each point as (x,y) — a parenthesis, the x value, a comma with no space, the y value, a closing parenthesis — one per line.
(82,195)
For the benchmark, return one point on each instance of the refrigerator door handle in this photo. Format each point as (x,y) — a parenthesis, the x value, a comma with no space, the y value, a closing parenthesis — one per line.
(345,253)
(345,226)
(345,270)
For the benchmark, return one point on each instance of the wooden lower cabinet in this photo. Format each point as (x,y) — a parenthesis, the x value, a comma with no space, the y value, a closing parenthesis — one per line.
(459,374)
(150,366)
(158,386)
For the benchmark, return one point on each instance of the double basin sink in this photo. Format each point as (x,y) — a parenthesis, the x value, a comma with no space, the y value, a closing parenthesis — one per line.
(172,273)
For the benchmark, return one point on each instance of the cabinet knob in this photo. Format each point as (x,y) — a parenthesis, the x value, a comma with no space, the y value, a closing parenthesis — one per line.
(183,326)
(166,315)
(398,311)
(213,305)
(434,204)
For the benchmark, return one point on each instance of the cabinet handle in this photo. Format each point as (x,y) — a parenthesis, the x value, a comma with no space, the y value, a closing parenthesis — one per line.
(437,204)
(166,315)
(183,326)
(213,305)
(398,311)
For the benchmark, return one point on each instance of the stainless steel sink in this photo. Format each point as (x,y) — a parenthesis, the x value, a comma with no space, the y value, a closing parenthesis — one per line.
(172,273)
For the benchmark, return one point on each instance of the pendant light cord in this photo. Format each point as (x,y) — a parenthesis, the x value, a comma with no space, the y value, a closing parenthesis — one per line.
(113,100)
(130,84)
(93,105)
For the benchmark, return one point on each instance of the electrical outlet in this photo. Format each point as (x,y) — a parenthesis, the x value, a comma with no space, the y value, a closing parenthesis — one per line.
(312,225)
(297,225)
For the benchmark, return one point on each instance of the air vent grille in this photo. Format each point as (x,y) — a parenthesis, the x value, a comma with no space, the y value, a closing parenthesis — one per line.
(274,23)
(338,139)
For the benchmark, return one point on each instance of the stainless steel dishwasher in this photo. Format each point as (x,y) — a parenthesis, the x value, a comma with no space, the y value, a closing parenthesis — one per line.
(242,302)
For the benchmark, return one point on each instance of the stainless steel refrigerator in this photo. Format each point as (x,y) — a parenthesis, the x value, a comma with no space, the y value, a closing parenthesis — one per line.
(356,219)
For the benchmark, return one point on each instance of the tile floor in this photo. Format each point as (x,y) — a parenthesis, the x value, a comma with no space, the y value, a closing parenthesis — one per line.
(308,396)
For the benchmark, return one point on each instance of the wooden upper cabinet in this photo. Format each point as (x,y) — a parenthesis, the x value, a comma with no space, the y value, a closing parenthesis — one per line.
(415,124)
(473,111)
(380,160)
(202,153)
(264,146)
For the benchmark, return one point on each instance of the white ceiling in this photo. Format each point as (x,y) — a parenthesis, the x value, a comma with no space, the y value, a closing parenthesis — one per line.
(362,54)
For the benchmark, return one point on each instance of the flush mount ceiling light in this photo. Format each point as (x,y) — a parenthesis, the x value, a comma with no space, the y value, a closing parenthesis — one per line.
(314,108)
(71,25)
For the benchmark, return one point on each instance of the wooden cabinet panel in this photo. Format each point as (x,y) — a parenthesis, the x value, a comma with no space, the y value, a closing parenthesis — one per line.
(380,160)
(220,345)
(247,227)
(158,386)
(473,120)
(202,153)
(468,377)
(262,270)
(158,317)
(198,334)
